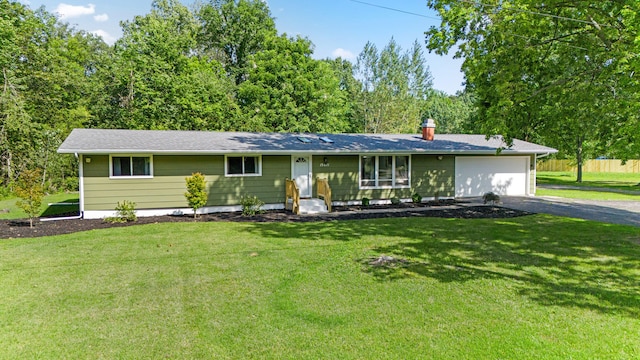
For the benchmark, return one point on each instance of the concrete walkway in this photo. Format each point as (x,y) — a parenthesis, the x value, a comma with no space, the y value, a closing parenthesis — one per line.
(614,212)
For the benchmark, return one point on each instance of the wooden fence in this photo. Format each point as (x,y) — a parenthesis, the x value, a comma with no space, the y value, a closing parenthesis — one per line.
(631,166)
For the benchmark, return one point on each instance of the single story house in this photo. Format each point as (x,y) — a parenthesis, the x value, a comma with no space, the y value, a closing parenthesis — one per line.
(149,167)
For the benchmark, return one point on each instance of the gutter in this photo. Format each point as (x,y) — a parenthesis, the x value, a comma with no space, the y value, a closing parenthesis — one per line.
(307,151)
(542,156)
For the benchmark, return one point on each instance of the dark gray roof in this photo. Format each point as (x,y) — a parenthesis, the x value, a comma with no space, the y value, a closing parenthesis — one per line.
(102,141)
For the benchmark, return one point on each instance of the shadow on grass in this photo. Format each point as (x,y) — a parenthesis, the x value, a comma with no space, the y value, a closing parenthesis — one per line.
(552,260)
(67,207)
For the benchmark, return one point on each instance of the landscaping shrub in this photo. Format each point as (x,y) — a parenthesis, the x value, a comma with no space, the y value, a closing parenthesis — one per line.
(196,192)
(395,200)
(416,198)
(251,205)
(125,212)
(366,201)
(491,197)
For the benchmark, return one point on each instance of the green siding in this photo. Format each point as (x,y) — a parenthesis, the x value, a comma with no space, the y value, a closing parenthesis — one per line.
(428,176)
(431,177)
(166,188)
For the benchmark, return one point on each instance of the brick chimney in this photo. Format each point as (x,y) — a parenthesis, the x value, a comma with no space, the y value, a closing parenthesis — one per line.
(428,129)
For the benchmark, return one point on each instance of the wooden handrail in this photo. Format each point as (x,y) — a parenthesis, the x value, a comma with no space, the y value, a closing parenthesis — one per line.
(324,191)
(292,192)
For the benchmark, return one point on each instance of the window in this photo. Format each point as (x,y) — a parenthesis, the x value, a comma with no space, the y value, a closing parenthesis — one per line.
(243,166)
(131,166)
(384,171)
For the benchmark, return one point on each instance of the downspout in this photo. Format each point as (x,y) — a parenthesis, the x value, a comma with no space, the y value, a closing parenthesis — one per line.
(81,183)
(535,178)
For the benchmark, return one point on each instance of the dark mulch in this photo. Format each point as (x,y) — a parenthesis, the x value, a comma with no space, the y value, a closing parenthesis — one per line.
(20,228)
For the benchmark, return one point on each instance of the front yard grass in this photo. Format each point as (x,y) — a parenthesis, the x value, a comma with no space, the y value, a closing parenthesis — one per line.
(539,287)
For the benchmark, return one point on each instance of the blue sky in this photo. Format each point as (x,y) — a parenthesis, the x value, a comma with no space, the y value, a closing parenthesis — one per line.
(336,27)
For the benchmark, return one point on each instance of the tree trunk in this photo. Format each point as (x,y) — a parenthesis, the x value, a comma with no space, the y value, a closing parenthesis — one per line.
(579,158)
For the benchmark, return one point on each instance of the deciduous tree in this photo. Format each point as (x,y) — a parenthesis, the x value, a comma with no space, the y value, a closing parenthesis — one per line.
(289,91)
(30,191)
(395,85)
(559,72)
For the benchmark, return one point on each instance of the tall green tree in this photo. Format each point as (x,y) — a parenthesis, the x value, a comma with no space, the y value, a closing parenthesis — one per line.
(344,70)
(395,85)
(156,81)
(560,72)
(454,114)
(45,71)
(287,90)
(234,30)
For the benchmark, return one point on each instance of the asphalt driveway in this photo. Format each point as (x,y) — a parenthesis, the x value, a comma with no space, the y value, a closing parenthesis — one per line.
(614,212)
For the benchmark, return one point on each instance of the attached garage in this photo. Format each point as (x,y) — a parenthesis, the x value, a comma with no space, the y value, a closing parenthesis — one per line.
(503,175)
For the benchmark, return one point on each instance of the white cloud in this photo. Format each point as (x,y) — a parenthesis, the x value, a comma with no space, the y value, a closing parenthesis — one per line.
(345,54)
(101,18)
(66,11)
(108,38)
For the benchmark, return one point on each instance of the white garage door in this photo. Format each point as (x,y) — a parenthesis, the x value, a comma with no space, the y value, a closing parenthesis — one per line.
(502,175)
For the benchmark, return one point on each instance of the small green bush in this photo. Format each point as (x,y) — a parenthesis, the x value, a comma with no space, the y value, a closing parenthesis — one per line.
(5,192)
(125,212)
(71,183)
(416,198)
(395,200)
(196,192)
(491,197)
(251,205)
(366,201)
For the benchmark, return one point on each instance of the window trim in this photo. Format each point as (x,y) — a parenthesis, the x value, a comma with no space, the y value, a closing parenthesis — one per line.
(130,156)
(377,172)
(258,165)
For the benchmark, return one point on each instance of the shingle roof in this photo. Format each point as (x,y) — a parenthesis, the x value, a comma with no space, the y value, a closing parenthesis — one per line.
(104,141)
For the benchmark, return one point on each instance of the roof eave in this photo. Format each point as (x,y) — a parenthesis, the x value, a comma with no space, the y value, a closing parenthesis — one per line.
(315,151)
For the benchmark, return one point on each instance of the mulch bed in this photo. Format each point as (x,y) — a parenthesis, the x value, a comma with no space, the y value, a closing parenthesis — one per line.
(20,228)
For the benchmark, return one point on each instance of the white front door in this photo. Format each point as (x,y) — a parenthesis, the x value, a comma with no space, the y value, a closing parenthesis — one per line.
(302,174)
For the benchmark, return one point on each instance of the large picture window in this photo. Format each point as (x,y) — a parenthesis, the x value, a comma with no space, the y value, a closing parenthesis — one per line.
(243,166)
(131,166)
(384,171)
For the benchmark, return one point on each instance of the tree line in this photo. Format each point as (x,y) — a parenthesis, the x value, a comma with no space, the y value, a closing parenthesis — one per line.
(561,73)
(221,66)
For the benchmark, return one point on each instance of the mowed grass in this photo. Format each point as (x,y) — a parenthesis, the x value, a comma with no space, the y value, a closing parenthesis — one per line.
(588,194)
(9,209)
(621,181)
(597,186)
(538,287)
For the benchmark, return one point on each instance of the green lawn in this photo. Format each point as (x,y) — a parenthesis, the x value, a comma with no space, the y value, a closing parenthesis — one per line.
(14,212)
(587,194)
(592,183)
(622,181)
(538,287)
